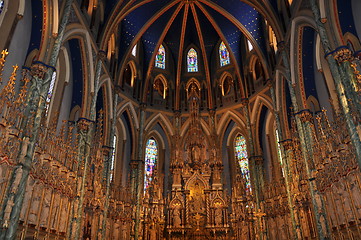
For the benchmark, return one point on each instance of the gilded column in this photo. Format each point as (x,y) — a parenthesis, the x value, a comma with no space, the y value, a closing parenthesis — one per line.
(16,190)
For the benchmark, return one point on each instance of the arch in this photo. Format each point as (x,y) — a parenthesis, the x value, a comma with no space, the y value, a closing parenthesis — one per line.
(189,84)
(76,31)
(226,118)
(313,104)
(226,83)
(130,73)
(161,85)
(162,120)
(123,106)
(259,102)
(204,126)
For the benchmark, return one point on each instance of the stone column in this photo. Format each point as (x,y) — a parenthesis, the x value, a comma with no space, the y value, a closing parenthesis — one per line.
(107,165)
(86,133)
(139,179)
(318,205)
(342,82)
(288,176)
(16,190)
(256,184)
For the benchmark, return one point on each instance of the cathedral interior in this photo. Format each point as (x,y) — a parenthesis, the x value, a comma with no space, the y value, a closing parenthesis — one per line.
(180,119)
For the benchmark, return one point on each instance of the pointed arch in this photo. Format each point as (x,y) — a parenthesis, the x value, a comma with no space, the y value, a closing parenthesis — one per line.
(162,120)
(125,105)
(226,118)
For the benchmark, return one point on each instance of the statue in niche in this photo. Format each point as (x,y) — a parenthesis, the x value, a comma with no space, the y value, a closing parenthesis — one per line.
(152,233)
(63,215)
(196,201)
(356,194)
(27,196)
(218,216)
(18,175)
(195,154)
(176,217)
(7,211)
(34,207)
(346,200)
(46,207)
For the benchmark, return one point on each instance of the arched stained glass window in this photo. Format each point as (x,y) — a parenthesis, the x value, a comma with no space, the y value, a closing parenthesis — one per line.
(223,55)
(192,60)
(2,3)
(242,159)
(160,58)
(151,156)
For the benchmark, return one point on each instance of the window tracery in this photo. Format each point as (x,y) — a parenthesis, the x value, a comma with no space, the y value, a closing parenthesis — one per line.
(242,159)
(160,58)
(151,156)
(223,55)
(192,60)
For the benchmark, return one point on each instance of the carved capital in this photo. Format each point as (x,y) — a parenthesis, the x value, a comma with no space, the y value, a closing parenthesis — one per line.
(305,115)
(287,144)
(38,69)
(101,54)
(343,54)
(84,124)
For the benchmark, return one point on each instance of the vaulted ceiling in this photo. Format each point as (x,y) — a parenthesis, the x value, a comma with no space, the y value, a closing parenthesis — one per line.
(179,24)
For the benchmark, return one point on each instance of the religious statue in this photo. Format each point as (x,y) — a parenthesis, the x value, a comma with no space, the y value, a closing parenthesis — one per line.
(18,175)
(218,217)
(176,218)
(7,211)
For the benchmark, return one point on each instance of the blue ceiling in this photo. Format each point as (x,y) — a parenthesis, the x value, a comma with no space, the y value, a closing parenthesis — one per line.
(219,11)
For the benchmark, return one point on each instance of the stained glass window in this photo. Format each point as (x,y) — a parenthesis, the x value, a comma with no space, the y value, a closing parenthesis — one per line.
(113,157)
(134,51)
(151,156)
(160,58)
(242,158)
(192,60)
(1,6)
(50,91)
(223,55)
